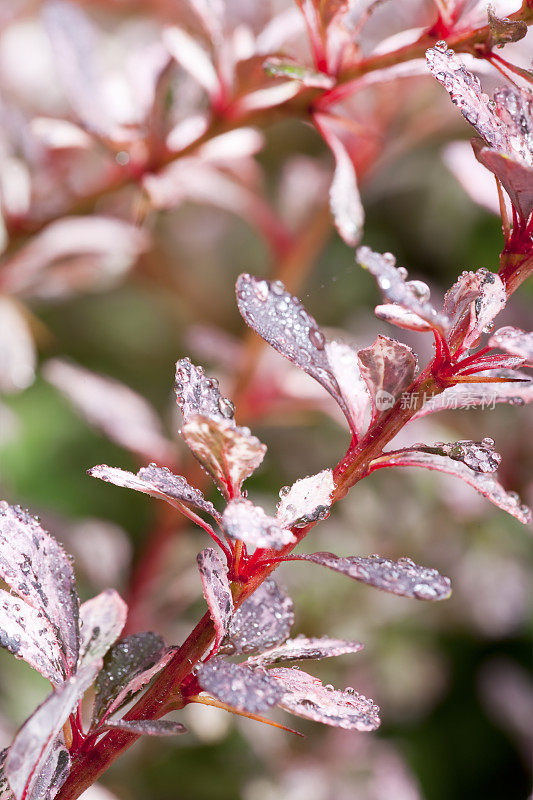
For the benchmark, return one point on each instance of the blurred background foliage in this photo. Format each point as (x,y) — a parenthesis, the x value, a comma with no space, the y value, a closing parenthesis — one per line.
(451,678)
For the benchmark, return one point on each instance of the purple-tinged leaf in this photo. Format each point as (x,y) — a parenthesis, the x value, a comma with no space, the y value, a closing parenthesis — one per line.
(26,633)
(242,520)
(346,369)
(388,368)
(36,567)
(217,591)
(228,453)
(123,415)
(306,501)
(28,755)
(392,281)
(147,727)
(344,199)
(515,341)
(402,577)
(197,394)
(401,317)
(301,648)
(264,620)
(307,697)
(504,31)
(515,177)
(158,482)
(475,298)
(242,687)
(517,392)
(54,773)
(18,356)
(101,621)
(466,93)
(283,68)
(128,666)
(479,456)
(485,483)
(282,321)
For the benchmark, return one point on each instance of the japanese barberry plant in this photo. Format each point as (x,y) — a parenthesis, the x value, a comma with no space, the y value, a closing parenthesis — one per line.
(235,657)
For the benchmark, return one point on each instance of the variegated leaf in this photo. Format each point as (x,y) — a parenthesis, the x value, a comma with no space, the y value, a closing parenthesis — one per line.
(301,648)
(147,727)
(217,591)
(241,687)
(264,620)
(242,520)
(307,500)
(388,368)
(101,621)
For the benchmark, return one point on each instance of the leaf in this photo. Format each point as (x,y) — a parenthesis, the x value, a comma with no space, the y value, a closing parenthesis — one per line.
(504,31)
(485,484)
(17,350)
(388,368)
(466,93)
(284,68)
(401,317)
(344,199)
(302,648)
(242,687)
(282,321)
(217,591)
(158,482)
(346,368)
(306,501)
(5,791)
(36,567)
(475,298)
(517,392)
(147,727)
(402,577)
(514,107)
(515,177)
(479,456)
(392,281)
(192,58)
(242,520)
(26,633)
(306,697)
(101,622)
(128,666)
(229,454)
(123,415)
(264,620)
(198,395)
(54,773)
(515,341)
(28,756)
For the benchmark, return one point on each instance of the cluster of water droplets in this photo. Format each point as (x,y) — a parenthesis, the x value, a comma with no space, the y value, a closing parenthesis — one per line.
(479,456)
(198,394)
(245,688)
(264,620)
(515,109)
(176,487)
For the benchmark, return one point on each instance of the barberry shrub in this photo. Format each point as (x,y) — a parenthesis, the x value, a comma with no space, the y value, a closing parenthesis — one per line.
(109,690)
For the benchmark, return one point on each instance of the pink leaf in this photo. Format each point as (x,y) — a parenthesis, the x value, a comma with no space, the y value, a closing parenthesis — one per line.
(268,97)
(485,484)
(514,107)
(479,456)
(123,415)
(242,520)
(217,591)
(27,634)
(306,697)
(192,58)
(128,666)
(412,296)
(515,177)
(517,392)
(402,577)
(301,648)
(18,356)
(346,369)
(228,453)
(401,317)
(39,571)
(101,622)
(306,500)
(264,619)
(242,687)
(514,340)
(465,91)
(197,394)
(476,297)
(33,744)
(147,727)
(284,323)
(158,482)
(344,199)
(388,368)
(53,774)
